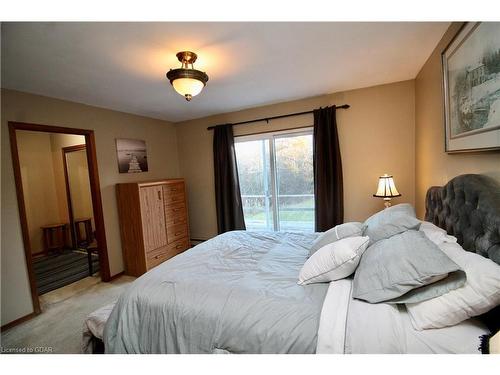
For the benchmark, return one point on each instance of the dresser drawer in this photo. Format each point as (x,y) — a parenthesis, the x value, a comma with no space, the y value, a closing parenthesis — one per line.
(174,211)
(176,232)
(178,218)
(173,193)
(158,256)
(173,199)
(180,245)
(173,189)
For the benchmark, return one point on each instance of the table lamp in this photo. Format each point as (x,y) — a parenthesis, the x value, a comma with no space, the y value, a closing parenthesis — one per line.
(386,189)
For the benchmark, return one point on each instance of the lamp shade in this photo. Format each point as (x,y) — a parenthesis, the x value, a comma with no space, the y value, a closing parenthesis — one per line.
(386,187)
(188,86)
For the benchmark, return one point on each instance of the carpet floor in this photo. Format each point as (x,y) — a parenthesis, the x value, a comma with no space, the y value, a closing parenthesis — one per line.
(57,270)
(59,327)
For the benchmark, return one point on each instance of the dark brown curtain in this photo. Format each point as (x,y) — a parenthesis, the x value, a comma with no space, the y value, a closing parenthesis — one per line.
(227,185)
(328,186)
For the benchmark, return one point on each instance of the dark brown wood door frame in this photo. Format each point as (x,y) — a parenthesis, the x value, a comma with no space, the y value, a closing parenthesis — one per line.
(66,150)
(94,188)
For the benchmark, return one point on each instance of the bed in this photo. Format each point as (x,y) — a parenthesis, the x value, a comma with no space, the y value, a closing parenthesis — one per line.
(238,293)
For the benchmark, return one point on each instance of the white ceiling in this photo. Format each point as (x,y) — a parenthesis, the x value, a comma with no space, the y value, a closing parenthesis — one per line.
(122,66)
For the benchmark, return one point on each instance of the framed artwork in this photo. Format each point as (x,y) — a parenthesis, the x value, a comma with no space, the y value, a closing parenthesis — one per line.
(132,156)
(471,79)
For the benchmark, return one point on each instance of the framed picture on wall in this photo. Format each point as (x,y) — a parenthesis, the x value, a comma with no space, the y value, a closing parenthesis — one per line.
(471,80)
(132,155)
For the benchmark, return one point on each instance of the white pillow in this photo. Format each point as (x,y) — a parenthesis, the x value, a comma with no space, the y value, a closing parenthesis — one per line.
(333,261)
(337,233)
(479,294)
(436,234)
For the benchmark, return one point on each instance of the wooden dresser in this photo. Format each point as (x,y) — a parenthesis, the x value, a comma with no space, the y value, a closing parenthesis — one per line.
(153,223)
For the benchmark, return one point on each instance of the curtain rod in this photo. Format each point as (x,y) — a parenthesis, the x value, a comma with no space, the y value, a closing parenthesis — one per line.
(343,106)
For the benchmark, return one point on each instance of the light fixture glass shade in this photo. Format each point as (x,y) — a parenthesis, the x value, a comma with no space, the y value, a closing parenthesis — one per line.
(188,86)
(386,187)
(186,80)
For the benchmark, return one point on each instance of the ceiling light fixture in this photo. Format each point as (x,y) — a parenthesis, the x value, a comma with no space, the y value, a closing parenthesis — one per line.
(186,80)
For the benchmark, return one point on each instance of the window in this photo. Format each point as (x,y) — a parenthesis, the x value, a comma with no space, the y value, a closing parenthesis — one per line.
(276,180)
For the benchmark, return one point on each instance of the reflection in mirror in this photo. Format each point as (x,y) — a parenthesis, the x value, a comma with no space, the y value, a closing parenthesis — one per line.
(57,205)
(80,201)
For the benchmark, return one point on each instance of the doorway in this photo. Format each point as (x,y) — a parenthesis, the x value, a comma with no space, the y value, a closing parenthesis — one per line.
(60,205)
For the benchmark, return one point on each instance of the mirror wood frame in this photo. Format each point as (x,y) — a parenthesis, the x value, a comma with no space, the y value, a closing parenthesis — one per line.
(94,188)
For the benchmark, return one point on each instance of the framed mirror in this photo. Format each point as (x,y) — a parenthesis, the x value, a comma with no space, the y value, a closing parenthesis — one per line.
(79,196)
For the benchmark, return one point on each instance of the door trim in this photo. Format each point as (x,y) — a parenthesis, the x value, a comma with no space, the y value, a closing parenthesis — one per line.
(94,187)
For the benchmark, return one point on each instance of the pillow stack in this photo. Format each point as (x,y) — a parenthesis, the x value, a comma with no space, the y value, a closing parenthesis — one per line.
(398,259)
(402,264)
(420,265)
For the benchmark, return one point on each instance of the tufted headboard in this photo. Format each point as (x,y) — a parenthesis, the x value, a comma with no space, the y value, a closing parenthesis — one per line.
(468,207)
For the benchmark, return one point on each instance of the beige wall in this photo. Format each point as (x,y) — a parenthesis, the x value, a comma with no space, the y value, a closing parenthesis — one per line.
(39,187)
(162,158)
(376,136)
(433,165)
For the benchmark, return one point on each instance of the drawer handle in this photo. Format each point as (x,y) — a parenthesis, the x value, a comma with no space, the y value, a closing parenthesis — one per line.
(173,189)
(176,209)
(157,257)
(159,195)
(178,246)
(178,234)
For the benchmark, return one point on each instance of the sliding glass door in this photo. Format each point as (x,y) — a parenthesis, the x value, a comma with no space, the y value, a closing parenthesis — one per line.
(276,180)
(294,181)
(254,170)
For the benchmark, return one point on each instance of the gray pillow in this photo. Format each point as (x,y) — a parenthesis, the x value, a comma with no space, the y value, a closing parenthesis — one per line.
(405,268)
(337,233)
(391,221)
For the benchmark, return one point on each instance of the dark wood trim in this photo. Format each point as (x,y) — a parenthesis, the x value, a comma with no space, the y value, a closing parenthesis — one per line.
(119,274)
(66,150)
(74,148)
(94,188)
(18,321)
(38,254)
(48,128)
(22,216)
